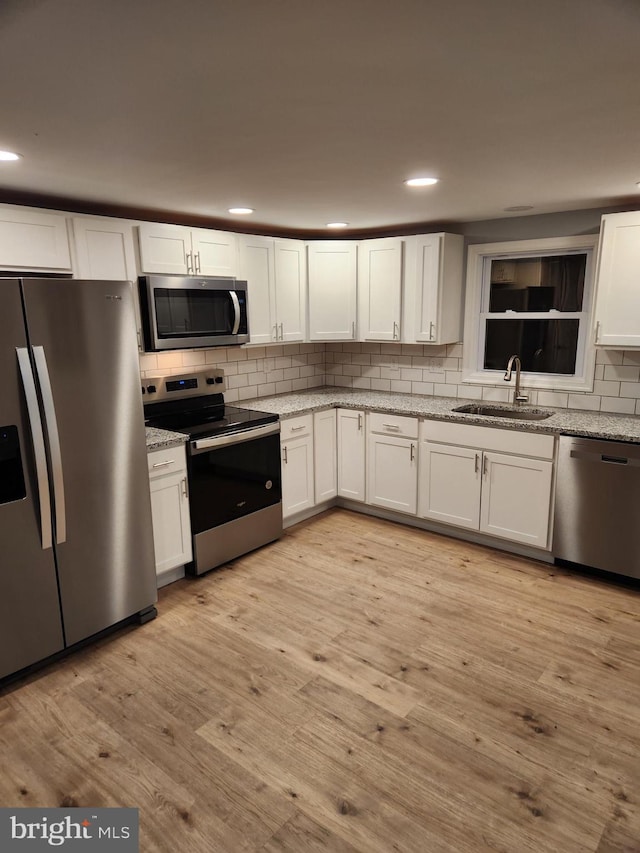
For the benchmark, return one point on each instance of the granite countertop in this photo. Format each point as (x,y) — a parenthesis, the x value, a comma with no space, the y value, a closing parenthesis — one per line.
(158,439)
(562,421)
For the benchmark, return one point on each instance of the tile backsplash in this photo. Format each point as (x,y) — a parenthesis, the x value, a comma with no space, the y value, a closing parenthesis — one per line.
(407,368)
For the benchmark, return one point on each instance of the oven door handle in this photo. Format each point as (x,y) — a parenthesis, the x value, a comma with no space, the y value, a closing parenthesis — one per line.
(236,311)
(201,445)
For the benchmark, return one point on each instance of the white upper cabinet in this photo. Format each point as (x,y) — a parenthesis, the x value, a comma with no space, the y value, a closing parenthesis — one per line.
(173,249)
(257,266)
(432,312)
(332,290)
(291,290)
(617,312)
(31,240)
(380,289)
(104,249)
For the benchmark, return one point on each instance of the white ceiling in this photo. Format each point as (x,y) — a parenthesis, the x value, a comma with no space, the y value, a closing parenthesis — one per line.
(316,110)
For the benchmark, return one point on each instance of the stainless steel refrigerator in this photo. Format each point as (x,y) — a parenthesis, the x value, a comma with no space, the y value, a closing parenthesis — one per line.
(76,542)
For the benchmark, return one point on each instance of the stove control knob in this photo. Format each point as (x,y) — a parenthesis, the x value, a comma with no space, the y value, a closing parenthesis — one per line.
(268,484)
(218,380)
(151,389)
(210,380)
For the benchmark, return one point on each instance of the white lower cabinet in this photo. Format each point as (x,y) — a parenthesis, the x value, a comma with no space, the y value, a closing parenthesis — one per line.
(296,437)
(325,455)
(351,454)
(471,484)
(392,469)
(170,512)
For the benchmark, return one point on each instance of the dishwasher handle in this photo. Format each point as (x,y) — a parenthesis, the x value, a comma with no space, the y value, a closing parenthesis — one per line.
(605,457)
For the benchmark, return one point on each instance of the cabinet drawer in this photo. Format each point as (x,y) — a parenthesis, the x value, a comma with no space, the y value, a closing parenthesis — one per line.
(169,461)
(393,424)
(296,427)
(489,438)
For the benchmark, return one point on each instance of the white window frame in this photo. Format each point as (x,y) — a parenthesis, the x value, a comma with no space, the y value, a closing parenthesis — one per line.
(476,305)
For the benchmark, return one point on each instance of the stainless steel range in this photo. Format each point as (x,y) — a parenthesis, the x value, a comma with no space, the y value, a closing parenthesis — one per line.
(233,454)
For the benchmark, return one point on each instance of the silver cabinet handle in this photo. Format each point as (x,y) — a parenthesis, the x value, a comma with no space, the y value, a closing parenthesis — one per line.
(162,464)
(431,333)
(236,311)
(597,334)
(185,489)
(412,454)
(275,332)
(359,421)
(53,438)
(281,331)
(189,262)
(396,329)
(298,428)
(477,465)
(353,329)
(37,439)
(284,454)
(394,427)
(485,465)
(197,262)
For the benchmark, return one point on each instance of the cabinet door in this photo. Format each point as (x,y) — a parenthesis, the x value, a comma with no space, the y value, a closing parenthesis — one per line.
(617,311)
(332,290)
(257,266)
(105,250)
(325,455)
(165,248)
(291,289)
(297,475)
(392,475)
(214,252)
(516,498)
(33,241)
(171,526)
(449,484)
(351,454)
(380,285)
(427,277)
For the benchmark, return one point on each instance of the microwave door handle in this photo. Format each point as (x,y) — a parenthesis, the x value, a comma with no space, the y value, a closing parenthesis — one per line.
(37,438)
(51,423)
(236,309)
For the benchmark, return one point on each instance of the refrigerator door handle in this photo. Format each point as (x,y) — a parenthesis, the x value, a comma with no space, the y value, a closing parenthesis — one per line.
(37,437)
(54,443)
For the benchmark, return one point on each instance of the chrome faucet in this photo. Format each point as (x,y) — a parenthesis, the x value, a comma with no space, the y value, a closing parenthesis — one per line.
(518,397)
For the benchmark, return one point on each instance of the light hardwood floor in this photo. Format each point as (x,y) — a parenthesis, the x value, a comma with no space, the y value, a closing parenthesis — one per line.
(356,686)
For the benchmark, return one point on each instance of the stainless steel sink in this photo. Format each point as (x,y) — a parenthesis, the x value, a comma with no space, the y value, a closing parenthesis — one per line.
(498,412)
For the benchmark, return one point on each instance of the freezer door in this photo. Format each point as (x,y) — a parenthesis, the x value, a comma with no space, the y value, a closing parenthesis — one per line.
(83,338)
(30,623)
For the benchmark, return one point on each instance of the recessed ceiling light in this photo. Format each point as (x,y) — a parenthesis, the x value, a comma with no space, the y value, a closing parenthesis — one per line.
(337,224)
(517,207)
(241,211)
(421,182)
(9,155)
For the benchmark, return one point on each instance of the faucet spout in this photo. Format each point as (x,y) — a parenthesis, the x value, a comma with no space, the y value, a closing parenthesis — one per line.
(518,396)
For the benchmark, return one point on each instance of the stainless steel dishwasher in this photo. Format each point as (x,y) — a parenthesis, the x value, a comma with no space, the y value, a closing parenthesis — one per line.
(597,514)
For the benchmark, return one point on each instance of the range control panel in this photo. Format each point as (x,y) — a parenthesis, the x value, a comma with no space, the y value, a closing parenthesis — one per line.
(160,388)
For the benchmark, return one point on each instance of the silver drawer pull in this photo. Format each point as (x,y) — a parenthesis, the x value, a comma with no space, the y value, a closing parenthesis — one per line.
(298,428)
(162,464)
(391,426)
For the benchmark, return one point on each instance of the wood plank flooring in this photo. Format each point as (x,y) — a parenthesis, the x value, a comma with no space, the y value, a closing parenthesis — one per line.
(356,686)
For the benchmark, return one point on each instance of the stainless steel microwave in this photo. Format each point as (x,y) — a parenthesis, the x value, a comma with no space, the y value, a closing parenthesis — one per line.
(189,313)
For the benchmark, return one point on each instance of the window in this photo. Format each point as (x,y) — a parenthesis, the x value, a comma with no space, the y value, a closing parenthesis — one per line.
(532,299)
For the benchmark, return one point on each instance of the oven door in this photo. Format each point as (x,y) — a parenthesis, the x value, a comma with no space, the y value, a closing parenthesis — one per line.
(193,313)
(233,475)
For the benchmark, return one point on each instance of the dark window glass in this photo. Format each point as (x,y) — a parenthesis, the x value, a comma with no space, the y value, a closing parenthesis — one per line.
(537,284)
(544,346)
(182,313)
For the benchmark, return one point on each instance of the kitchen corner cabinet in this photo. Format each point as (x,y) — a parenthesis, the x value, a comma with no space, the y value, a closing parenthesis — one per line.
(380,289)
(332,270)
(392,469)
(32,240)
(617,310)
(325,456)
(495,481)
(432,307)
(276,274)
(173,249)
(296,444)
(351,454)
(170,511)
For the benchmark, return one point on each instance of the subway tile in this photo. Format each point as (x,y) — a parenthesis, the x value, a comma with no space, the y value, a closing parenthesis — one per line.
(231,396)
(451,363)
(149,361)
(257,378)
(559,399)
(606,388)
(256,352)
(193,358)
(282,362)
(291,349)
(239,381)
(401,386)
(625,373)
(267,389)
(619,405)
(167,360)
(496,395)
(429,375)
(292,373)
(248,366)
(425,388)
(351,370)
(351,347)
(371,348)
(599,374)
(454,377)
(473,392)
(317,381)
(589,402)
(217,355)
(362,382)
(631,357)
(283,387)
(275,350)
(247,393)
(608,356)
(444,390)
(630,389)
(412,349)
(389,372)
(305,348)
(454,350)
(435,350)
(319,369)
(299,385)
(237,354)
(275,376)
(343,381)
(391,349)
(315,358)
(413,374)
(381,385)
(230,368)
(361,358)
(371,372)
